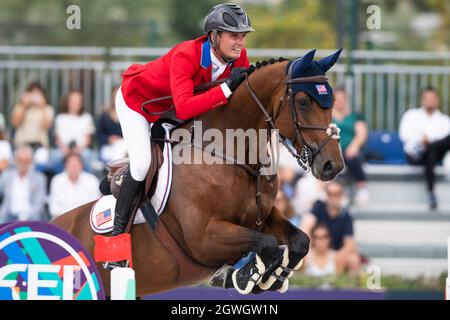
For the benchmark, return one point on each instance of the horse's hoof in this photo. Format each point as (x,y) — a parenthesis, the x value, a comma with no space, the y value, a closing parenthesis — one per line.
(222,277)
(245,278)
(284,286)
(298,266)
(277,273)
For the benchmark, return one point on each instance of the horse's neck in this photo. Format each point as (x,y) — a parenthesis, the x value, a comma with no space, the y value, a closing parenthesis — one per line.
(242,112)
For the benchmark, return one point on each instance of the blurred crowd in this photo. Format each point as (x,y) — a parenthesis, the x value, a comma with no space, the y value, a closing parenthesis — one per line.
(323,210)
(48,161)
(47,168)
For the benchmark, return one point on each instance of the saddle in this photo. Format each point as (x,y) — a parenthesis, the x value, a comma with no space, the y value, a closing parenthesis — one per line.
(117,168)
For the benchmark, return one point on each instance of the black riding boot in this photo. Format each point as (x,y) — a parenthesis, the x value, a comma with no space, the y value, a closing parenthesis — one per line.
(128,196)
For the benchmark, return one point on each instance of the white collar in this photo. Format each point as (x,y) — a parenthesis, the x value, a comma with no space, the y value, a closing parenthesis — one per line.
(216,62)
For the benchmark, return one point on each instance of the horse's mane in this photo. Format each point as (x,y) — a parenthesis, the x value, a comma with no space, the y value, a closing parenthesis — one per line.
(263,63)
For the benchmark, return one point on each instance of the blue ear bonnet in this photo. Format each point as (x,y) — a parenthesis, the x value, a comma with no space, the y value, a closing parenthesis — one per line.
(306,67)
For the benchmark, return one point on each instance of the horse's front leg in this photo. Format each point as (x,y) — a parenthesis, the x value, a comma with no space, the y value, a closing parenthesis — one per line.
(297,248)
(228,242)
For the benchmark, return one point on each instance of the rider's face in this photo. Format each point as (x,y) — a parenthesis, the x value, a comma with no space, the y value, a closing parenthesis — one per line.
(231,43)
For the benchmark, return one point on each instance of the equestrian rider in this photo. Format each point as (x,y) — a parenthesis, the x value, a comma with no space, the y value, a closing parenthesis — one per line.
(218,54)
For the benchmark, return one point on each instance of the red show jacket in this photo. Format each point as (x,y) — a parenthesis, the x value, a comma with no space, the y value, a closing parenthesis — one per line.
(176,74)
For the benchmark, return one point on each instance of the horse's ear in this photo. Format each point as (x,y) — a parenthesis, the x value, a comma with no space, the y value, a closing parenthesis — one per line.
(304,62)
(327,62)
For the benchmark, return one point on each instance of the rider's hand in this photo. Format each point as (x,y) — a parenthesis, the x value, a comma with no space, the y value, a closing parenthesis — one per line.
(235,78)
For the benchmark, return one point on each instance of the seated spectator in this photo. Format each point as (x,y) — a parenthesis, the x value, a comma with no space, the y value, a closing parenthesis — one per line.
(32,119)
(109,133)
(425,132)
(73,131)
(73,187)
(338,220)
(5,147)
(353,137)
(321,260)
(282,203)
(23,189)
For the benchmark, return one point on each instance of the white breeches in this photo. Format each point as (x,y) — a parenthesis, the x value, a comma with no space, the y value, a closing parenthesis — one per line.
(136,133)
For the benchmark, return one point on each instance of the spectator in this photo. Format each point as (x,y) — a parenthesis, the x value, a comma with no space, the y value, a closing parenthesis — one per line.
(109,133)
(321,260)
(308,190)
(73,131)
(425,132)
(72,187)
(338,220)
(282,203)
(353,137)
(5,147)
(23,189)
(32,118)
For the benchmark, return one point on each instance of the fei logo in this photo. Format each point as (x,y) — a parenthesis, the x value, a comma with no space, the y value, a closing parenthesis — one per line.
(39,261)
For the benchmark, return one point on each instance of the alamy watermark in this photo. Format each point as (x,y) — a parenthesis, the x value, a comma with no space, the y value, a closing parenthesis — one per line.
(213,146)
(373,21)
(373,277)
(73,21)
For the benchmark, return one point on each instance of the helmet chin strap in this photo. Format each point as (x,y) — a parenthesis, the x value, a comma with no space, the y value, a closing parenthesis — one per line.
(215,47)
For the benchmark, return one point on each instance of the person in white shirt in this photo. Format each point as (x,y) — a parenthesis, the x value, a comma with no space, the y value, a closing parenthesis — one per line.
(23,189)
(425,133)
(322,260)
(73,187)
(74,129)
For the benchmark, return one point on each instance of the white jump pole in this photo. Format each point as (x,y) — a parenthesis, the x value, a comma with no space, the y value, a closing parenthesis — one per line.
(123,284)
(447,281)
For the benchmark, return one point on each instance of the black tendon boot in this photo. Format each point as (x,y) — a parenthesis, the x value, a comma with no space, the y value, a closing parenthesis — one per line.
(129,197)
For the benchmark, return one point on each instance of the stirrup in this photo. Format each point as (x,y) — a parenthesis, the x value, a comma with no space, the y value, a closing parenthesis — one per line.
(116,264)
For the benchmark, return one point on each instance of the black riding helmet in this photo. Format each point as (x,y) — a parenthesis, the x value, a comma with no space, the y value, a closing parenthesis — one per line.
(226,17)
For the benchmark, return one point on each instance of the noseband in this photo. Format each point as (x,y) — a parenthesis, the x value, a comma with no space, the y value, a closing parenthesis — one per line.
(306,158)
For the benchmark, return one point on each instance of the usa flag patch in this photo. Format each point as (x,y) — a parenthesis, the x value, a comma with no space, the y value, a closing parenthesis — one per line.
(321,89)
(103,217)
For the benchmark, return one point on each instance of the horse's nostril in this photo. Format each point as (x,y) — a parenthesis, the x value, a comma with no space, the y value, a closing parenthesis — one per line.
(328,167)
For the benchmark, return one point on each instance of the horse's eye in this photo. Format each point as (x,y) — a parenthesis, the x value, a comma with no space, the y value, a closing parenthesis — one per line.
(303,103)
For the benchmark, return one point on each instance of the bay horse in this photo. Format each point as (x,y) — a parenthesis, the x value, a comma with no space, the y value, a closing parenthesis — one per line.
(211,212)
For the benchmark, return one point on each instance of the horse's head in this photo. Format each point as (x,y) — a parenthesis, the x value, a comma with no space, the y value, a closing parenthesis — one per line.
(304,117)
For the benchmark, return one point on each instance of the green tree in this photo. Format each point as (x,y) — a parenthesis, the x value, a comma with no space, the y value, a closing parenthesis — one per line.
(186,17)
(292,24)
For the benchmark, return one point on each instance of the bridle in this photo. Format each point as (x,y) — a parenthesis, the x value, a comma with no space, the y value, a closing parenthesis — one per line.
(306,158)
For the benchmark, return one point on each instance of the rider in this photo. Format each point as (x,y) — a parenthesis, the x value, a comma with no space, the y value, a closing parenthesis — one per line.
(218,54)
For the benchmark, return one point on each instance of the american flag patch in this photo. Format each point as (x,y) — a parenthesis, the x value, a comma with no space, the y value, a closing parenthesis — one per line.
(103,217)
(321,89)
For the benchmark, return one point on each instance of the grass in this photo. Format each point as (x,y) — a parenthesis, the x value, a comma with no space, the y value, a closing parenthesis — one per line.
(365,281)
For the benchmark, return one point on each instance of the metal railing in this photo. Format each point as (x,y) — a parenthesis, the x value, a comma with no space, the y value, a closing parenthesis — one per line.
(386,83)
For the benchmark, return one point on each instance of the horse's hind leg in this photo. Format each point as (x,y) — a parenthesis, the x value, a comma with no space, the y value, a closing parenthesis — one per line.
(298,245)
(225,240)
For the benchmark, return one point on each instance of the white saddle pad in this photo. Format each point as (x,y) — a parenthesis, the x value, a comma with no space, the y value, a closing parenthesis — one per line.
(102,213)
